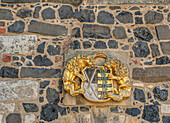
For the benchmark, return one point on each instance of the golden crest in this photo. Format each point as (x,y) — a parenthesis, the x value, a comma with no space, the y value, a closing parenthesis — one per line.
(94,76)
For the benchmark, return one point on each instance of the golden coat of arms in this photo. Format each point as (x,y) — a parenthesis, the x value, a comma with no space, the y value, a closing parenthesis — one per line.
(94,76)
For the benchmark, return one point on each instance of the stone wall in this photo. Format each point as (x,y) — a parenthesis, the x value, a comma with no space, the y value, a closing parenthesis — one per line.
(35,34)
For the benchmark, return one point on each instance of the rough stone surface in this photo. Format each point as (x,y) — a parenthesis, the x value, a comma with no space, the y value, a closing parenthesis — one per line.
(96,31)
(133,111)
(75,32)
(44,84)
(87,45)
(166,119)
(160,93)
(119,32)
(155,50)
(100,115)
(24,12)
(163,32)
(47,29)
(29,118)
(48,13)
(168,17)
(151,113)
(100,45)
(105,18)
(162,60)
(30,107)
(53,50)
(23,44)
(7,107)
(84,118)
(138,20)
(75,45)
(143,33)
(116,109)
(18,90)
(165,108)
(14,118)
(8,72)
(19,1)
(6,14)
(84,15)
(141,49)
(65,12)
(17,27)
(116,118)
(114,7)
(152,74)
(153,17)
(36,11)
(52,96)
(72,2)
(165,47)
(113,44)
(40,48)
(139,95)
(39,72)
(125,17)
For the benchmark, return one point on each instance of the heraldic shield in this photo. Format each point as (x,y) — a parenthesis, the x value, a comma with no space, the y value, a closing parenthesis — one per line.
(94,76)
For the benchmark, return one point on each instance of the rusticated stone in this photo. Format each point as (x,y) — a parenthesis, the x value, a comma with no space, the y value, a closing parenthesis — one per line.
(19,1)
(162,60)
(138,20)
(113,44)
(52,96)
(114,7)
(13,118)
(9,72)
(42,61)
(75,45)
(96,31)
(62,110)
(119,32)
(36,11)
(87,44)
(84,15)
(134,8)
(163,32)
(125,17)
(30,107)
(6,14)
(165,46)
(65,12)
(47,29)
(151,113)
(72,2)
(39,72)
(152,74)
(41,47)
(105,18)
(160,93)
(141,49)
(17,27)
(24,12)
(7,107)
(53,50)
(143,33)
(75,32)
(139,95)
(133,111)
(48,13)
(165,119)
(155,50)
(153,17)
(100,45)
(44,84)
(18,90)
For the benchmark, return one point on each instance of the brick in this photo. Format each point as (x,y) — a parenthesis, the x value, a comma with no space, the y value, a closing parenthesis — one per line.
(2,30)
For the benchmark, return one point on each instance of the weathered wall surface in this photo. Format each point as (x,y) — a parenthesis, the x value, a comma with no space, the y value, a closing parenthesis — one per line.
(34,35)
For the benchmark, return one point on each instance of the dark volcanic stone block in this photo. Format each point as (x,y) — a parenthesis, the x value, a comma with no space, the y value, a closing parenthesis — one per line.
(72,2)
(44,84)
(105,18)
(75,32)
(41,47)
(113,44)
(39,72)
(100,45)
(96,31)
(6,14)
(87,44)
(19,1)
(8,72)
(138,20)
(139,95)
(52,96)
(17,27)
(42,61)
(166,119)
(75,45)
(160,93)
(152,74)
(153,17)
(53,50)
(24,12)
(168,17)
(163,32)
(30,107)
(47,29)
(133,111)
(162,60)
(65,12)
(155,50)
(125,17)
(119,32)
(36,11)
(165,46)
(48,13)
(13,118)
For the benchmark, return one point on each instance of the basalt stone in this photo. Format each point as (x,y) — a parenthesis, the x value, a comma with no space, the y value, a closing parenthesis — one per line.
(75,32)
(134,8)
(138,13)
(72,2)
(36,11)
(74,109)
(65,12)
(41,99)
(131,39)
(126,47)
(168,18)
(41,47)
(30,107)
(114,7)
(163,32)
(87,44)
(138,20)
(162,60)
(62,110)
(119,32)
(143,33)
(47,29)
(96,31)
(75,45)
(149,95)
(151,113)
(152,17)
(84,109)
(19,1)
(29,57)
(49,112)
(160,93)
(116,109)
(139,95)
(148,63)
(42,61)
(166,119)
(27,72)
(16,64)
(125,17)
(53,50)
(52,96)
(155,50)
(100,45)
(84,15)
(165,47)
(14,118)
(6,14)
(48,13)
(44,84)
(105,18)
(24,12)
(113,44)
(17,27)
(141,49)
(152,74)
(9,72)
(133,111)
